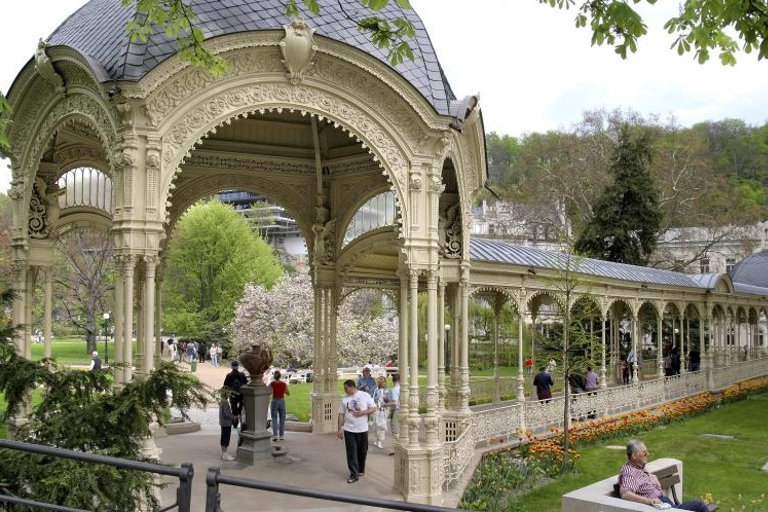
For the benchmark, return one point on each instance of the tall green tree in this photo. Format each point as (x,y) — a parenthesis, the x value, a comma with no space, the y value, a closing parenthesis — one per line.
(502,152)
(213,253)
(626,218)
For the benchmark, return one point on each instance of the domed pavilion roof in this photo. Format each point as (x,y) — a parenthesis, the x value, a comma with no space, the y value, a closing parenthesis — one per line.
(98,31)
(751,272)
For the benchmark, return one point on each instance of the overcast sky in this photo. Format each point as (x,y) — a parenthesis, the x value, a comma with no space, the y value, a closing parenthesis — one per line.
(534,71)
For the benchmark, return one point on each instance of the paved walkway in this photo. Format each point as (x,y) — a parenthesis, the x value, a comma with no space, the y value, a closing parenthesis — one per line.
(313,461)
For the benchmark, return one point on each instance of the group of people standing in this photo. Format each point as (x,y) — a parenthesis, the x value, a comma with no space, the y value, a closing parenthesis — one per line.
(543,382)
(231,406)
(368,400)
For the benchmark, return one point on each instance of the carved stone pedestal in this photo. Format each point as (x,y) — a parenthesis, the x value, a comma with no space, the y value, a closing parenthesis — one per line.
(418,474)
(256,446)
(325,413)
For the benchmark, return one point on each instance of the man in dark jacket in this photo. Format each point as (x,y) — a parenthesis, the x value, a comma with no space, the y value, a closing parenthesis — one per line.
(543,382)
(234,381)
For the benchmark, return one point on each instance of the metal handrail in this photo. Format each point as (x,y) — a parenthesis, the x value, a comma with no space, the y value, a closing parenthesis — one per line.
(213,496)
(184,473)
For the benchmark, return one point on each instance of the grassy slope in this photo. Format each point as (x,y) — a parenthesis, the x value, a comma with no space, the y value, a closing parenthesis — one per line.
(725,468)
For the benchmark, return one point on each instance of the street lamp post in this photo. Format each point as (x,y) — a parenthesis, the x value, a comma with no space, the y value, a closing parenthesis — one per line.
(106,338)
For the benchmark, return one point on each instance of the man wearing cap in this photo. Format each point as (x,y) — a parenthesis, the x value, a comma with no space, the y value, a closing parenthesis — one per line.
(234,381)
(95,361)
(366,382)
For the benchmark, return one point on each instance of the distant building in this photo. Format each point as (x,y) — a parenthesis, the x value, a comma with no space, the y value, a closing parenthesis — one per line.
(270,221)
(693,250)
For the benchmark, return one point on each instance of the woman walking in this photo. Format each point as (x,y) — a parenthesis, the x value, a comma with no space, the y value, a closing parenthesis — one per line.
(279,391)
(381,397)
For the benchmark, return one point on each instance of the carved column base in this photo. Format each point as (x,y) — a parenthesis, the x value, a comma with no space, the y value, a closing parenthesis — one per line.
(419,474)
(453,424)
(256,446)
(325,413)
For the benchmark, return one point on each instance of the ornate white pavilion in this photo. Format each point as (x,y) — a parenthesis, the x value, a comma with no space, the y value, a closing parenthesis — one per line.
(123,137)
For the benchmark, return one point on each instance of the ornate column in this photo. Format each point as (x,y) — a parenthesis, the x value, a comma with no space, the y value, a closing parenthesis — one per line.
(497,304)
(139,311)
(688,335)
(433,339)
(403,360)
(159,271)
(119,315)
(464,390)
(325,396)
(29,298)
(443,332)
(520,346)
(603,370)
(150,264)
(706,353)
(635,334)
(128,285)
(681,340)
(413,384)
(48,324)
(659,348)
(19,304)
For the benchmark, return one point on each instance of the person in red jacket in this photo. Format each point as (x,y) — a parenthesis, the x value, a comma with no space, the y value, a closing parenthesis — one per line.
(279,391)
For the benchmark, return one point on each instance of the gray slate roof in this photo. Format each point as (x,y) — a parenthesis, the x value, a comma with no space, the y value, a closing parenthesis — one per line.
(98,31)
(496,251)
(752,270)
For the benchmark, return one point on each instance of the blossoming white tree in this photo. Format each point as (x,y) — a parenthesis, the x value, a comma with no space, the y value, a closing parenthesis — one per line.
(281,319)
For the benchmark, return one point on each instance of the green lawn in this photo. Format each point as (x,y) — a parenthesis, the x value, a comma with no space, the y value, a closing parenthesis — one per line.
(727,469)
(72,350)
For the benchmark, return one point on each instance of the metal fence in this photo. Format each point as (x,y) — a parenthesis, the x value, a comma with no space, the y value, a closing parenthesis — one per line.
(184,473)
(213,494)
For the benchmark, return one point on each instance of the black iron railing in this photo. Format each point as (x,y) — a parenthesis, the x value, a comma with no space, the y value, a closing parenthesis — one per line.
(213,496)
(184,473)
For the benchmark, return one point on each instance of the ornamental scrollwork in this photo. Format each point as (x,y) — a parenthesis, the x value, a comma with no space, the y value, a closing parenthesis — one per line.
(325,242)
(452,243)
(44,68)
(43,209)
(247,98)
(124,115)
(78,104)
(436,185)
(122,160)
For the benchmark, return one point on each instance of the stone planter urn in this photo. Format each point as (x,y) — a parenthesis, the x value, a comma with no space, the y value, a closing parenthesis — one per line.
(256,360)
(255,444)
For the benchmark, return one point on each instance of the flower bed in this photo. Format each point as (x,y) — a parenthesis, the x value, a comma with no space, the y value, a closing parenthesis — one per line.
(547,456)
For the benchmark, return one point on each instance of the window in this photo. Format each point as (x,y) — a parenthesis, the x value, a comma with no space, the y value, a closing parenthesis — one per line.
(85,186)
(729,263)
(377,212)
(704,266)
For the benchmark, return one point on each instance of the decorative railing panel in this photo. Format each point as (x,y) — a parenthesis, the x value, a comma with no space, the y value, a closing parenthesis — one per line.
(494,422)
(456,457)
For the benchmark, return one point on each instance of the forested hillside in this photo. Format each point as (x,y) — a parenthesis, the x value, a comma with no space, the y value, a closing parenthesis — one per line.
(711,174)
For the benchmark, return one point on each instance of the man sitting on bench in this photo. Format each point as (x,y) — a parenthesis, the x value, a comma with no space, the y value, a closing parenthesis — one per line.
(637,484)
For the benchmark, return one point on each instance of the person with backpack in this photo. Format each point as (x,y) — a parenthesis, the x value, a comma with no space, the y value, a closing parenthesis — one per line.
(234,380)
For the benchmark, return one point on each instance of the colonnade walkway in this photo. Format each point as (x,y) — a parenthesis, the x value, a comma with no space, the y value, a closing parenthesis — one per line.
(318,461)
